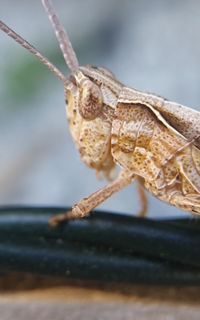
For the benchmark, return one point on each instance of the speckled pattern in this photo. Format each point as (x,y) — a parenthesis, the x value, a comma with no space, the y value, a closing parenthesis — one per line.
(181,118)
(150,138)
(130,130)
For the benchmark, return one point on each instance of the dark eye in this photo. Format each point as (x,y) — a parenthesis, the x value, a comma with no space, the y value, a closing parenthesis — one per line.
(90,100)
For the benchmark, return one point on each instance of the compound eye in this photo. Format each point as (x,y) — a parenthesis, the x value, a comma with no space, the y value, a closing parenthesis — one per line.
(90,100)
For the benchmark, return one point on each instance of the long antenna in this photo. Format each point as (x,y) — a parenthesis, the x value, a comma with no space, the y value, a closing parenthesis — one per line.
(33,50)
(63,39)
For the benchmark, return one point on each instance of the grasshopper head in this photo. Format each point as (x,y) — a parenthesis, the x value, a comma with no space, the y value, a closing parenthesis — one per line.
(91,97)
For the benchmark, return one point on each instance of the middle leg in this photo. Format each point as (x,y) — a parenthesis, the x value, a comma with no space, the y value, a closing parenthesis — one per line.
(142,199)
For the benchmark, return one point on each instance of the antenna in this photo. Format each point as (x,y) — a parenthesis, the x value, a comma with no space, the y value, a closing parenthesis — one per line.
(63,39)
(33,50)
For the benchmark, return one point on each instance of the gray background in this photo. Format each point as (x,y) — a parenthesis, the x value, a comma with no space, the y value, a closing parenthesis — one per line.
(150,45)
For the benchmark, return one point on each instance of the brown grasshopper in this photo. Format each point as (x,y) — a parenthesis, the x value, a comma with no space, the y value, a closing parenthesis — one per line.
(151,139)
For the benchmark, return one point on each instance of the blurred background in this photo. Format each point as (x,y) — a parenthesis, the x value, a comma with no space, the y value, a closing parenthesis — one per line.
(150,45)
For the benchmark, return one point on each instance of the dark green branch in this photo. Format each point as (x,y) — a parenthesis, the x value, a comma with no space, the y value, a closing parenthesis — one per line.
(104,247)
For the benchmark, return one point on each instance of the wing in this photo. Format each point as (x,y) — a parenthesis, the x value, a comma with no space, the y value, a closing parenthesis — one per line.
(183,120)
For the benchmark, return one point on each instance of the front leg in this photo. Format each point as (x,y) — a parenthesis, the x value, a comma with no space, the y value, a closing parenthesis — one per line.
(83,208)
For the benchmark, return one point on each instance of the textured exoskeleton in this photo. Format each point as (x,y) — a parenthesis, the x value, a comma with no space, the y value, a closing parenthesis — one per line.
(151,139)
(131,131)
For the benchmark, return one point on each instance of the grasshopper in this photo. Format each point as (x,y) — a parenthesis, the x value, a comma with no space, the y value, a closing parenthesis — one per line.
(151,139)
